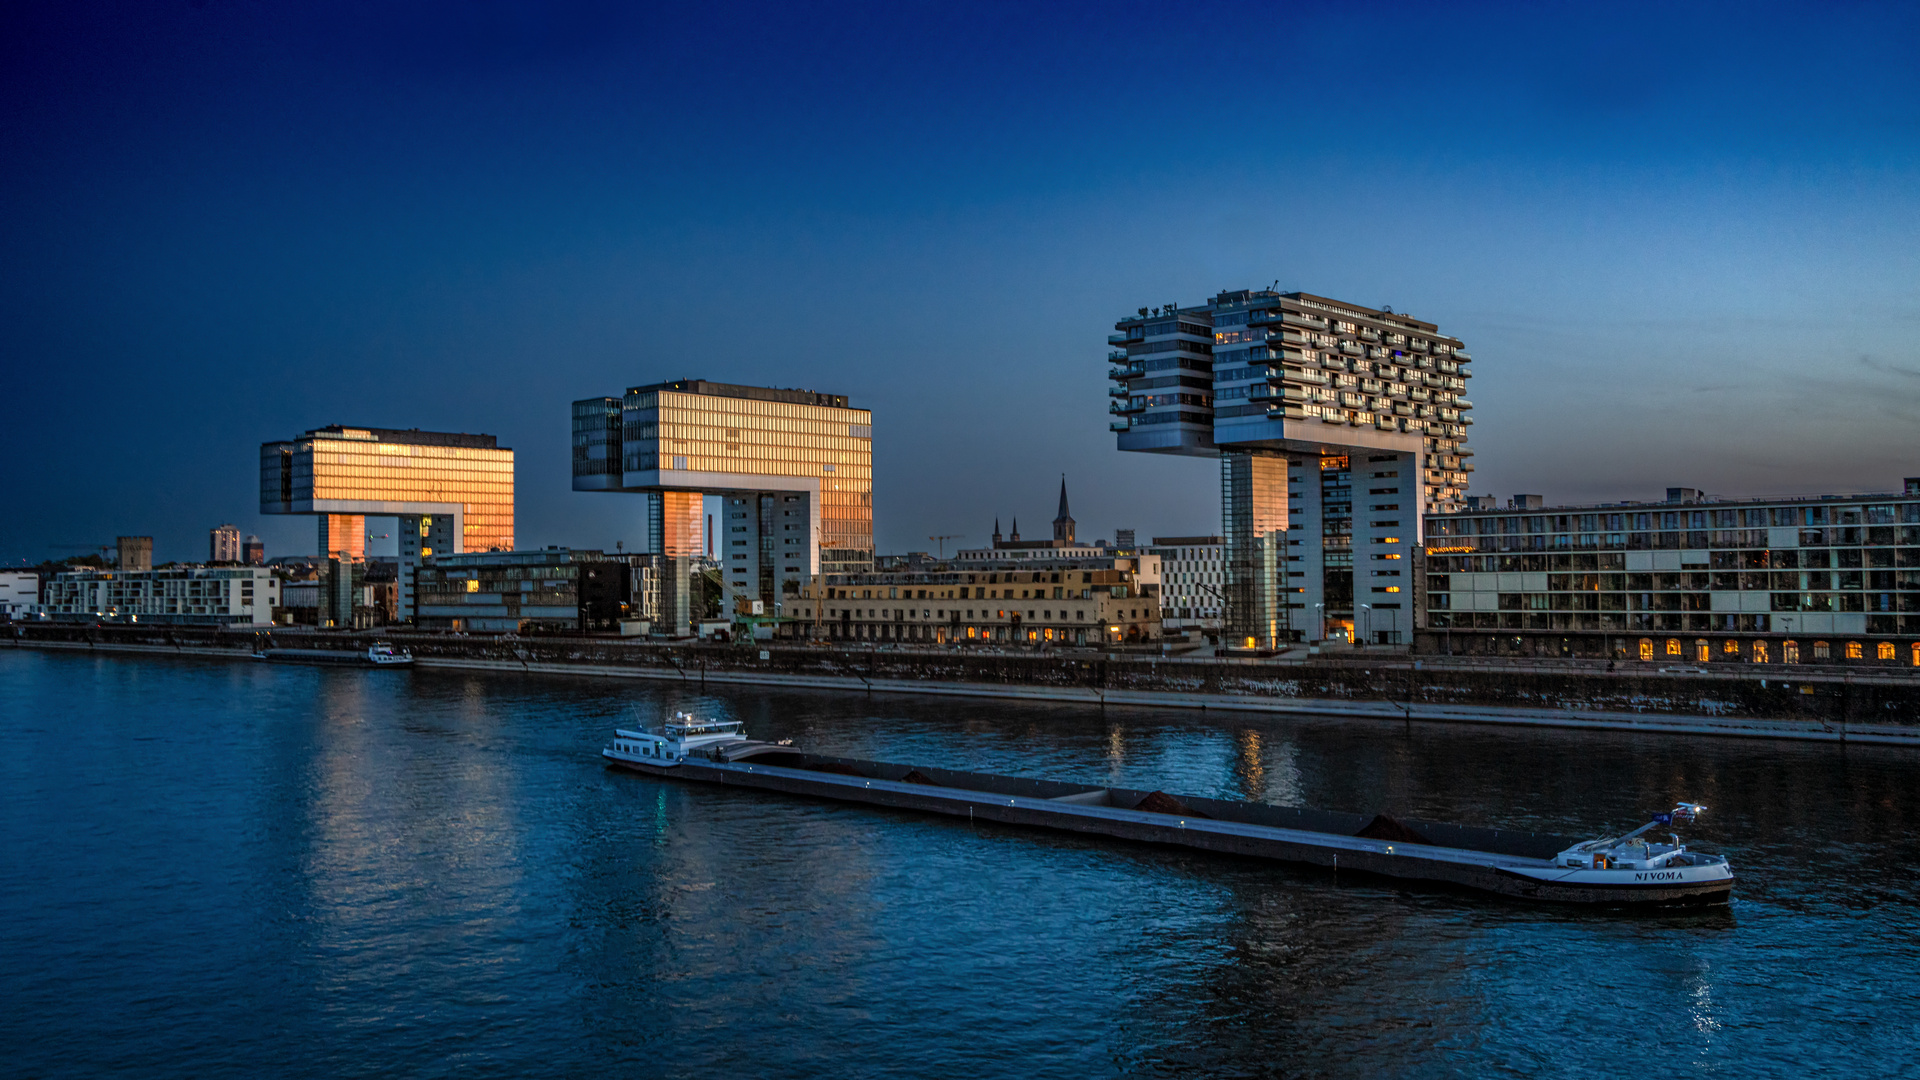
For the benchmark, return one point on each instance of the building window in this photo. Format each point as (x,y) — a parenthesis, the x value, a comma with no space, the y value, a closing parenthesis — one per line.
(1646,649)
(1789,652)
(1886,651)
(1821,651)
(1701,651)
(1854,652)
(1759,652)
(1673,646)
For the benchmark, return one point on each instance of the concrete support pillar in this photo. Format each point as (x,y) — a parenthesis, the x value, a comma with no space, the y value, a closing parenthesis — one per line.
(1253,504)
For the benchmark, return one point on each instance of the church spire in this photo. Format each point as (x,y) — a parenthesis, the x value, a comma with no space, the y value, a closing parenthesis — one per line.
(996,531)
(1063,525)
(1016,530)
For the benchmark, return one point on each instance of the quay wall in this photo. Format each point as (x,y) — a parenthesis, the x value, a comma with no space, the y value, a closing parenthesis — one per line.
(1874,705)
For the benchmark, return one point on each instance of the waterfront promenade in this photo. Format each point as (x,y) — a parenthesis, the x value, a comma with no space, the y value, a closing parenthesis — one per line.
(1868,705)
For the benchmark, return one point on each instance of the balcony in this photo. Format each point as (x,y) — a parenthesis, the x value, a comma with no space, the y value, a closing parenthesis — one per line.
(1369,335)
(1129,371)
(1461,356)
(1118,356)
(1134,336)
(1351,349)
(1120,425)
(1128,408)
(1333,361)
(1375,352)
(1463,403)
(1119,391)
(1304,375)
(1437,382)
(1276,393)
(1465,419)
(1448,367)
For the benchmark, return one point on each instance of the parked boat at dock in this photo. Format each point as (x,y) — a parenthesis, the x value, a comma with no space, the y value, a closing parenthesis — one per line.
(377,654)
(1628,869)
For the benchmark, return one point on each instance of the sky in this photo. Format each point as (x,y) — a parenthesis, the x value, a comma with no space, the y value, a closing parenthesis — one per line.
(1680,240)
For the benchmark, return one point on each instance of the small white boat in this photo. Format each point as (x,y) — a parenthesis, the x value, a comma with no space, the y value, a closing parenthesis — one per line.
(1635,861)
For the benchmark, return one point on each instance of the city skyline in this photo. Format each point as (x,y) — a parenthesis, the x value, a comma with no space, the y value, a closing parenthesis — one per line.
(1674,267)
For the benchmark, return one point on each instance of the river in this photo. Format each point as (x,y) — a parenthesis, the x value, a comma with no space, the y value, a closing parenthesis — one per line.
(233,869)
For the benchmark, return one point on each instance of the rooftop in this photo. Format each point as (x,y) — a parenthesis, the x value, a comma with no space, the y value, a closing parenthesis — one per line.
(410,436)
(754,393)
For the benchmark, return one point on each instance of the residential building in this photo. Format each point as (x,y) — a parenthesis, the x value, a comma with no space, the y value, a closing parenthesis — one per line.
(223,544)
(553,590)
(1026,601)
(1805,579)
(1306,401)
(795,469)
(135,553)
(185,595)
(449,492)
(1193,574)
(19,593)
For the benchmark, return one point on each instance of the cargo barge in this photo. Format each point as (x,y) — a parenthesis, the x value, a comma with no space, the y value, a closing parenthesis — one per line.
(1625,870)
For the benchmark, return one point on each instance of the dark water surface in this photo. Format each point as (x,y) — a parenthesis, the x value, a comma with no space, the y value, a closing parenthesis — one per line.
(217,869)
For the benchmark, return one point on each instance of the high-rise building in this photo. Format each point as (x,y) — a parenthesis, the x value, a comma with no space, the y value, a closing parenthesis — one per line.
(223,544)
(794,468)
(450,492)
(253,552)
(135,553)
(1308,402)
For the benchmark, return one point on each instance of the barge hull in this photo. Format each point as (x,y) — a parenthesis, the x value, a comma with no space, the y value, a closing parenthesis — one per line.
(1480,871)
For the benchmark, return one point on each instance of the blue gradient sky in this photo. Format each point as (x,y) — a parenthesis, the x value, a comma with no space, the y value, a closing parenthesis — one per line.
(1680,240)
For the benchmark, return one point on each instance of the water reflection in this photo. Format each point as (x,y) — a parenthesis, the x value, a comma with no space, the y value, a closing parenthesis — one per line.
(431,872)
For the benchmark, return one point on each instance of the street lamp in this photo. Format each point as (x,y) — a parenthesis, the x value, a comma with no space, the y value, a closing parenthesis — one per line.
(1366,622)
(1320,620)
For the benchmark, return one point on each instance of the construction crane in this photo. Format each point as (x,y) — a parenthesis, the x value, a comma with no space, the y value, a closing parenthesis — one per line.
(941,541)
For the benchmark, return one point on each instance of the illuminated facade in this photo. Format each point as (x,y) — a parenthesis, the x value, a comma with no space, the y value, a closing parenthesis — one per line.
(795,469)
(451,492)
(1817,579)
(1336,426)
(1025,598)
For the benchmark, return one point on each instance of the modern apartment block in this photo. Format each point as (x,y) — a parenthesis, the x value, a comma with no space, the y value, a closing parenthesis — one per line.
(795,469)
(512,591)
(1307,402)
(451,492)
(194,596)
(1816,579)
(1193,569)
(19,593)
(223,544)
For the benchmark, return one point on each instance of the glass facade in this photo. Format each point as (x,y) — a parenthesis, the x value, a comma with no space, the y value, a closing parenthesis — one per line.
(1788,568)
(700,437)
(347,471)
(1253,500)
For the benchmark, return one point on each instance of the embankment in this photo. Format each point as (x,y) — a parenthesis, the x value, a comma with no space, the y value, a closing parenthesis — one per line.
(1876,705)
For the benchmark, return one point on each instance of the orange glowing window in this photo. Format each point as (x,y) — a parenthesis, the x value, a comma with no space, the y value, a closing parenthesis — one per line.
(1854,652)
(1759,652)
(1646,649)
(1886,651)
(1789,652)
(1673,646)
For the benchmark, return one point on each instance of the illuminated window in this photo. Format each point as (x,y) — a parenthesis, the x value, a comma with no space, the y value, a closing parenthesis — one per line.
(1701,650)
(1759,652)
(473,585)
(1854,652)
(1646,649)
(1730,647)
(1789,652)
(1821,651)
(1673,646)
(1916,655)
(1886,651)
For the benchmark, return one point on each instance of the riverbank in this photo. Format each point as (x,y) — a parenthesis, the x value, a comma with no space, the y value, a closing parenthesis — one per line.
(1822,706)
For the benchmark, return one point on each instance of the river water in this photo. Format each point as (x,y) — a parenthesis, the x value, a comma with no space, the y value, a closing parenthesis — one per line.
(225,869)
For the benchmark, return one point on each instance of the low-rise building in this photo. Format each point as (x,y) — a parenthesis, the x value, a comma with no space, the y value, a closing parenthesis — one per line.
(178,595)
(19,593)
(1193,577)
(1810,579)
(552,590)
(1028,601)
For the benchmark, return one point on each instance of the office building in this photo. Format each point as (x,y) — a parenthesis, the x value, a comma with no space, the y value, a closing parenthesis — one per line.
(1307,402)
(1815,579)
(1193,575)
(1021,599)
(223,544)
(795,470)
(19,593)
(135,553)
(449,492)
(253,552)
(240,597)
(555,590)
